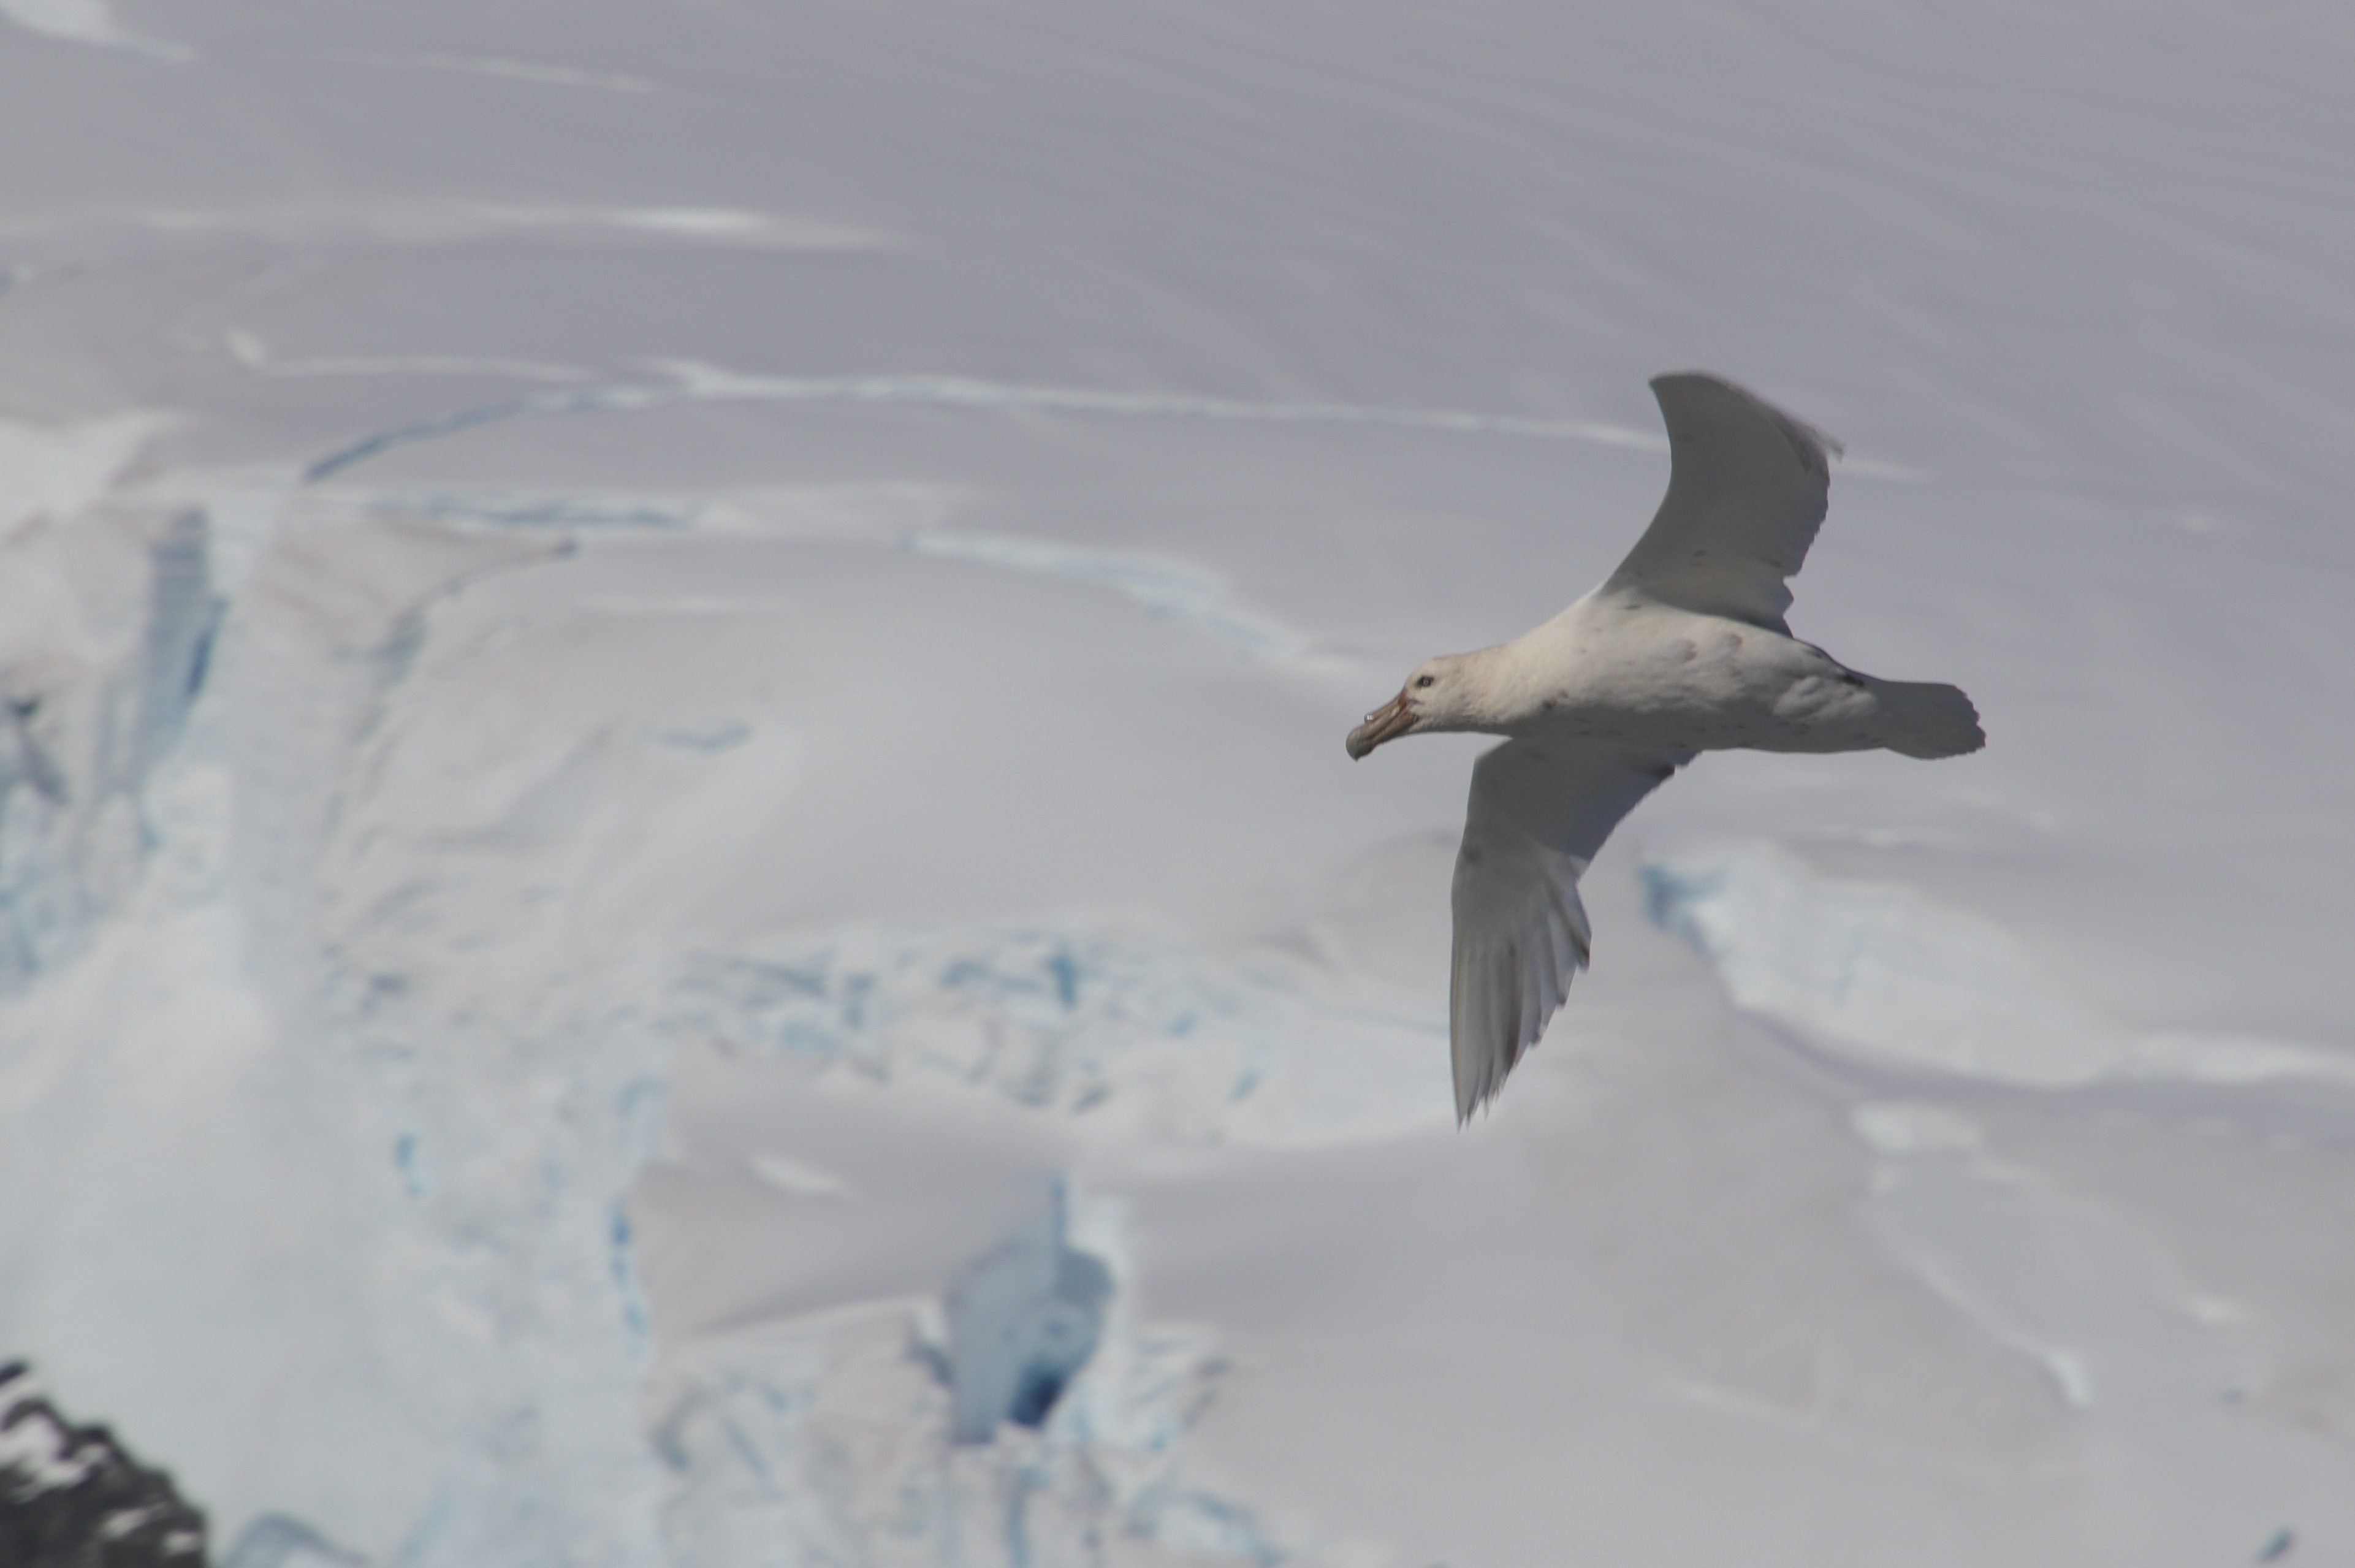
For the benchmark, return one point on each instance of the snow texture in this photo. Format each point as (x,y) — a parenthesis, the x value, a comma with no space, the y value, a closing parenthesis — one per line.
(91,22)
(661,666)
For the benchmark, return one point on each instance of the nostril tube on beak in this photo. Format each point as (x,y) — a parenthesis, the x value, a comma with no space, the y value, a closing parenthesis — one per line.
(1391,720)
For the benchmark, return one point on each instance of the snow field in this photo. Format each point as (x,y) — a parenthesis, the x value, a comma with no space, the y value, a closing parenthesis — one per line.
(789,585)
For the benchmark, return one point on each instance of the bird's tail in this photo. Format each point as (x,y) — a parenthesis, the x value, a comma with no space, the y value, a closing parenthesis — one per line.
(1922,719)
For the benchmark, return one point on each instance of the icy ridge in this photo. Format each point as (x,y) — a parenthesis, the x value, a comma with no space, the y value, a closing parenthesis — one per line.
(905,517)
(110,619)
(1889,973)
(503,1152)
(837,1438)
(694,382)
(1127,1026)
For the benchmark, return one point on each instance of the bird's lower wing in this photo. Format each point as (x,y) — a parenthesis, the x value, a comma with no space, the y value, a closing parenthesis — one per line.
(1539,811)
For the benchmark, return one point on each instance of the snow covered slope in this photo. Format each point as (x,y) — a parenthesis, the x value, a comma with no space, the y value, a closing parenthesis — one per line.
(672,816)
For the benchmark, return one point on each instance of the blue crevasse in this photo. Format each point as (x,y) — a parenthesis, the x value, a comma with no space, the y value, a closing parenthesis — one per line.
(1023,1320)
(80,740)
(876,1433)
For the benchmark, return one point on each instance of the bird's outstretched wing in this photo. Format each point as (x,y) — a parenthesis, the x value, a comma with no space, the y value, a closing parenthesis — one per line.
(1747,485)
(1539,810)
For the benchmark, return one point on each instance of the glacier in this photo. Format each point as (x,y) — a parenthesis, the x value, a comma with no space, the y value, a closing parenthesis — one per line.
(671,811)
(498,1190)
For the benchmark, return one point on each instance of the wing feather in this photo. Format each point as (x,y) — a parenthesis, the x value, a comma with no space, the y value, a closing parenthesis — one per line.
(1748,486)
(1539,811)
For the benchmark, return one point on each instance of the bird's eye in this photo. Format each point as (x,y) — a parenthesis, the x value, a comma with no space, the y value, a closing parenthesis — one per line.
(1424,679)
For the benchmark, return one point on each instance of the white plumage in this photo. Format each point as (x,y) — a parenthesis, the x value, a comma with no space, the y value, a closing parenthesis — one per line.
(1681,650)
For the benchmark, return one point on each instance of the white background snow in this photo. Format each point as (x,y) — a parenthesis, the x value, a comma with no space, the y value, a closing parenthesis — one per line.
(671,668)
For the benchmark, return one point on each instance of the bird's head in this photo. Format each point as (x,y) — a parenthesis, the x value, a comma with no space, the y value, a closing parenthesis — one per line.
(1437,695)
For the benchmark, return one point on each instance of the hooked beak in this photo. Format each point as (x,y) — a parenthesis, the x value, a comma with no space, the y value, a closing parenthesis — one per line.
(1387,722)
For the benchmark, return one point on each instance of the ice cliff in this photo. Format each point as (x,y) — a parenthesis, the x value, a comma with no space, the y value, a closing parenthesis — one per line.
(107,623)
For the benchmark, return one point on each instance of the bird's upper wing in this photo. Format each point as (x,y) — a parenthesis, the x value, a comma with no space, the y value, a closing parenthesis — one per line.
(1746,492)
(1539,810)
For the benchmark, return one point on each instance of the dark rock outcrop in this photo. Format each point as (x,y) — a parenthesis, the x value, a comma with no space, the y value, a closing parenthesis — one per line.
(72,1497)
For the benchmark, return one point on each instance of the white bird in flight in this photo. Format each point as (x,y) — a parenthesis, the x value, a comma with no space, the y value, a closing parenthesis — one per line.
(1681,650)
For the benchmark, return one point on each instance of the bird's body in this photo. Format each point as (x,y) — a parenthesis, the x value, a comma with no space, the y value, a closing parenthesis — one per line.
(1682,650)
(1616,666)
